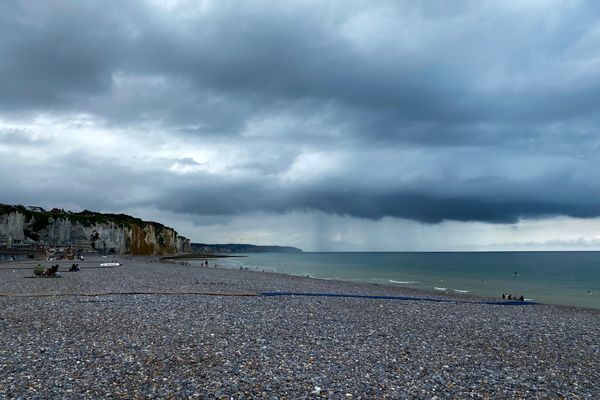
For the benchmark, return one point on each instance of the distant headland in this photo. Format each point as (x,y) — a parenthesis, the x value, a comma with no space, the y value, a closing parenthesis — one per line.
(241,248)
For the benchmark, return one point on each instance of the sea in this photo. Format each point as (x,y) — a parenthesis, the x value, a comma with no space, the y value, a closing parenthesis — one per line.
(565,278)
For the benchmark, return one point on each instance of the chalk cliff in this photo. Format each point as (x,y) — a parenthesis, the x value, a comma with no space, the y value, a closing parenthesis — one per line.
(87,230)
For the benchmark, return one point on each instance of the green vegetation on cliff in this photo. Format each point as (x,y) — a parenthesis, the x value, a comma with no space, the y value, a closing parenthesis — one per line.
(85,217)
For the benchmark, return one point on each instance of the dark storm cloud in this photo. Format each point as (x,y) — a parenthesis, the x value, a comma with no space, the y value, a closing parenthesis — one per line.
(55,53)
(504,204)
(516,84)
(485,199)
(70,54)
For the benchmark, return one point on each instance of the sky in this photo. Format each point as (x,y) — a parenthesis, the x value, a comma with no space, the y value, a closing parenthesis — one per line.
(331,126)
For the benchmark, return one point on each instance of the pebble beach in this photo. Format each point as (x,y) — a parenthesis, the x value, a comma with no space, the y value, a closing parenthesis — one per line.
(150,329)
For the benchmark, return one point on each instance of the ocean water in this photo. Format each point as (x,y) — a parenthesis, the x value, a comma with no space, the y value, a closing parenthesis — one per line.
(567,278)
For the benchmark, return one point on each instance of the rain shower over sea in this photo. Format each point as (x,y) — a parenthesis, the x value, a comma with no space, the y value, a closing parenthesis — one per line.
(566,278)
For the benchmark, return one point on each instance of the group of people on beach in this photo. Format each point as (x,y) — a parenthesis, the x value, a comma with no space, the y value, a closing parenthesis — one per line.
(52,272)
(511,297)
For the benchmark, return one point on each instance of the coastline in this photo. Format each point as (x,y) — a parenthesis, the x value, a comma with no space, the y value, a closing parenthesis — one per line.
(416,292)
(154,329)
(457,295)
(192,256)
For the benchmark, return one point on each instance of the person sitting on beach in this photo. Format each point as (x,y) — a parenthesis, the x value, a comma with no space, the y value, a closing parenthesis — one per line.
(522,298)
(74,268)
(503,296)
(51,272)
(38,270)
(510,296)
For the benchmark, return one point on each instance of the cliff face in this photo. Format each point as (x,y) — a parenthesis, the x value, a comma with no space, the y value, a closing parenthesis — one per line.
(119,233)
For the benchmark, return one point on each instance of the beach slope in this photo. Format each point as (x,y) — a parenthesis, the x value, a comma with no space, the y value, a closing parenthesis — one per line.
(154,330)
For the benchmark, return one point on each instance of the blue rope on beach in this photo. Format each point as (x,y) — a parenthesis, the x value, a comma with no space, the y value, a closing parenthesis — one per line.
(404,298)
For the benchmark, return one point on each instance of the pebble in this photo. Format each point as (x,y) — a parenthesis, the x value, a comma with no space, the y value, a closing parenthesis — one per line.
(182,346)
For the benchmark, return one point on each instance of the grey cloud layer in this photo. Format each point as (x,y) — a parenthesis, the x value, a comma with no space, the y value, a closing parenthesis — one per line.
(517,85)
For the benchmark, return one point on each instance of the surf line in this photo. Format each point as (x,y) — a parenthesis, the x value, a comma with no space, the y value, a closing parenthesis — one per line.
(402,298)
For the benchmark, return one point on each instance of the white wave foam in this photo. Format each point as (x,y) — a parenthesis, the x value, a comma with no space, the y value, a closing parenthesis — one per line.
(440,288)
(461,291)
(403,282)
